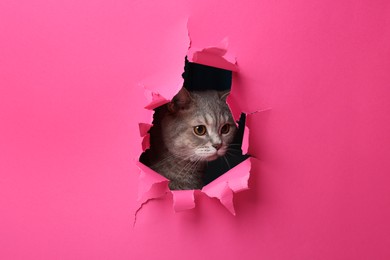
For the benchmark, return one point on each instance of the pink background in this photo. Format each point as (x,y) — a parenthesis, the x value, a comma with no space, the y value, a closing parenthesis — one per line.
(70,107)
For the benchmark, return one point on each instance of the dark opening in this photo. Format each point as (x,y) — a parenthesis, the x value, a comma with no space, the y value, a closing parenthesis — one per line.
(199,77)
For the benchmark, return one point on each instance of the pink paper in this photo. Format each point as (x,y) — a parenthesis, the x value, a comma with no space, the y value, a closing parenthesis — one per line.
(151,184)
(313,78)
(214,56)
(183,199)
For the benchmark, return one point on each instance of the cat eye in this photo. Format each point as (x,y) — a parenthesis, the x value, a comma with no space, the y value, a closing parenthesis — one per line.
(200,130)
(225,129)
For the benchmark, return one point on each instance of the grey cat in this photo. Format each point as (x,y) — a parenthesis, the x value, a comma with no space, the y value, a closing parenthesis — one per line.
(192,129)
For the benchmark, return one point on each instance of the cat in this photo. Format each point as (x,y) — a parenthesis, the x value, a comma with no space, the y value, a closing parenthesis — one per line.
(192,129)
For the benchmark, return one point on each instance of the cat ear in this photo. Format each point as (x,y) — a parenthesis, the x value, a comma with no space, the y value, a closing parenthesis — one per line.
(180,101)
(223,95)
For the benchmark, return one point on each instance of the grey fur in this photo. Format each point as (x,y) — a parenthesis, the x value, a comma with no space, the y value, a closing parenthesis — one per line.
(179,154)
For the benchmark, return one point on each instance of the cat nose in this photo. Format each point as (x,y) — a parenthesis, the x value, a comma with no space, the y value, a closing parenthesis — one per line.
(217,146)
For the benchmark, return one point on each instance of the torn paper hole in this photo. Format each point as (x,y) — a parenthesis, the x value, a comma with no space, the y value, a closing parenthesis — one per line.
(152,185)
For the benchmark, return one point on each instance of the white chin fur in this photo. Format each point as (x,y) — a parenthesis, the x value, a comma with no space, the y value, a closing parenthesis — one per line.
(209,153)
(206,152)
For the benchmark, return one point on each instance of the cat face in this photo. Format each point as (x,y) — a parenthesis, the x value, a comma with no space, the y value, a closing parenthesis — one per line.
(200,126)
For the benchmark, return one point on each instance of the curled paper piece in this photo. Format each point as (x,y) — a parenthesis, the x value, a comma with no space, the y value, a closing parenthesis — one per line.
(231,182)
(151,185)
(245,141)
(214,56)
(143,130)
(183,199)
(155,99)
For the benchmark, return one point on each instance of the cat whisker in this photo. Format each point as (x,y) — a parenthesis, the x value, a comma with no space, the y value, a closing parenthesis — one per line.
(163,161)
(224,157)
(194,167)
(237,151)
(233,154)
(187,166)
(167,160)
(235,144)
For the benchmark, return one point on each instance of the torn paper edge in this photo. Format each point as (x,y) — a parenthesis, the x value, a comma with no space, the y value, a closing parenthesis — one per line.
(233,181)
(214,56)
(152,185)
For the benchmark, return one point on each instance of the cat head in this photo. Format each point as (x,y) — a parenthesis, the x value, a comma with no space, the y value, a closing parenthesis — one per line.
(199,125)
